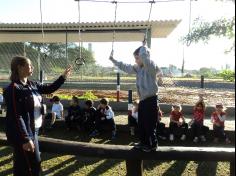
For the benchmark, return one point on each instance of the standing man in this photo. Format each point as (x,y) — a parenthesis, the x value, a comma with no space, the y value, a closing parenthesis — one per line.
(146,73)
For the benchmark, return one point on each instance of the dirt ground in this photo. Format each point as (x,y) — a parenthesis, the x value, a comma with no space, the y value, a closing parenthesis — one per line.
(170,95)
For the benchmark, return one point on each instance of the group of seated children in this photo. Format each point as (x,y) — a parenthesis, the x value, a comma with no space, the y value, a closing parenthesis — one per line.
(178,126)
(91,119)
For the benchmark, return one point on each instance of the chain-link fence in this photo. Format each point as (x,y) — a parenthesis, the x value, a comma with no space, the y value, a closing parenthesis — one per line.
(52,59)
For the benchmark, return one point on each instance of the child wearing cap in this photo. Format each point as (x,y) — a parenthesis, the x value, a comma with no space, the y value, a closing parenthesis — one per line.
(218,118)
(176,126)
(104,116)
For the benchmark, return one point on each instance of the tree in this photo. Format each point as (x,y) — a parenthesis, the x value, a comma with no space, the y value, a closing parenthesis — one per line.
(203,31)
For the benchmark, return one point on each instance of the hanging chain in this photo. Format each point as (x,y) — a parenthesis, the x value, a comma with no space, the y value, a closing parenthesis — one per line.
(80,60)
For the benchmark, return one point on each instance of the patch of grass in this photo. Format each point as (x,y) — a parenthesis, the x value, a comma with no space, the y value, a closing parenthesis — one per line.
(63,165)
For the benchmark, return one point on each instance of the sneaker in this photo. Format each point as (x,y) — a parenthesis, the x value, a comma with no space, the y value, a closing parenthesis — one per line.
(138,145)
(148,149)
(183,137)
(132,131)
(162,137)
(203,139)
(94,133)
(113,135)
(227,141)
(216,140)
(172,137)
(195,140)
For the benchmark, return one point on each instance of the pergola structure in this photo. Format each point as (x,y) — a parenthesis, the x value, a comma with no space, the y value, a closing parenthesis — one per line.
(90,32)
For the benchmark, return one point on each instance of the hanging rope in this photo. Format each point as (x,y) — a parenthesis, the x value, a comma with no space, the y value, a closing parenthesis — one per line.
(42,30)
(80,60)
(148,21)
(114,25)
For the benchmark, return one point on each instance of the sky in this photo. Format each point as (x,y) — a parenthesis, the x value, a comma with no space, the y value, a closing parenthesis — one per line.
(164,51)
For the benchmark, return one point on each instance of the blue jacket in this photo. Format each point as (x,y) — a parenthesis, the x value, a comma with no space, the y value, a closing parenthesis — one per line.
(20,127)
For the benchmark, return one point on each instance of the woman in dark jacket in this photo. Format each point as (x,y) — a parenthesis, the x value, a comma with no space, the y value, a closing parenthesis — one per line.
(24,115)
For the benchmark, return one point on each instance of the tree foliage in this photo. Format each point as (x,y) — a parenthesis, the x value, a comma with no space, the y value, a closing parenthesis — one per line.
(203,31)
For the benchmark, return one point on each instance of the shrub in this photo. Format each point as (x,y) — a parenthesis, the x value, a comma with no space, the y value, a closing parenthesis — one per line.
(228,75)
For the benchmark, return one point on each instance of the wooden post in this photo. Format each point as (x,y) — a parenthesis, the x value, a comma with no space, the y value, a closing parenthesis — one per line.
(118,87)
(130,102)
(202,82)
(232,168)
(134,167)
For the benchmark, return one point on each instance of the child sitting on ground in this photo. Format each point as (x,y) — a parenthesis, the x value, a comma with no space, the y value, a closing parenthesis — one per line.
(104,116)
(176,126)
(89,116)
(74,117)
(218,119)
(56,113)
(133,118)
(161,129)
(197,123)
(57,109)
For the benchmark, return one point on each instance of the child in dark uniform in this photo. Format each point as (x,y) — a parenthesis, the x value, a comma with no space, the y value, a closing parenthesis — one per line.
(74,117)
(161,129)
(89,116)
(176,126)
(104,116)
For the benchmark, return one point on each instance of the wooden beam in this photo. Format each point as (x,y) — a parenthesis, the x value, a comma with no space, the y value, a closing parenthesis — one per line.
(58,146)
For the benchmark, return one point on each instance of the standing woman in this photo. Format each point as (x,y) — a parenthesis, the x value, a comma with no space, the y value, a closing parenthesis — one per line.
(24,115)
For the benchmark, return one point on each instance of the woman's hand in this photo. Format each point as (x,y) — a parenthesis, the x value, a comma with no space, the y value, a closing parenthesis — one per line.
(29,146)
(67,72)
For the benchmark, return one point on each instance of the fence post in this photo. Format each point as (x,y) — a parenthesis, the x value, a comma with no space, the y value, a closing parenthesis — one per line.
(130,102)
(232,168)
(202,82)
(134,167)
(41,76)
(118,87)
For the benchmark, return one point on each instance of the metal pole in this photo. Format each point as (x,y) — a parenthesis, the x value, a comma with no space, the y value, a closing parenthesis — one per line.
(39,64)
(118,87)
(66,46)
(130,102)
(41,76)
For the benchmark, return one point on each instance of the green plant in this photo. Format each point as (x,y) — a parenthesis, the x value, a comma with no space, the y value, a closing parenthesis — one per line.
(88,96)
(227,75)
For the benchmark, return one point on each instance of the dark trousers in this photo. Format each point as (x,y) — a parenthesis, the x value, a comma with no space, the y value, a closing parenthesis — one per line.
(198,130)
(178,130)
(147,123)
(219,132)
(27,163)
(132,121)
(107,123)
(161,129)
